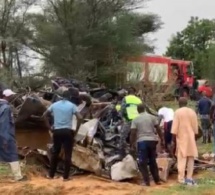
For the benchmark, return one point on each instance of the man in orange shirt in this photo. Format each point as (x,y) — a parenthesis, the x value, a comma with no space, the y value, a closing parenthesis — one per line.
(184,129)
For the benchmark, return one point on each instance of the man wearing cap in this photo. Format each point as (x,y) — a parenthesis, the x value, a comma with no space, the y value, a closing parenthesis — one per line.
(63,135)
(8,148)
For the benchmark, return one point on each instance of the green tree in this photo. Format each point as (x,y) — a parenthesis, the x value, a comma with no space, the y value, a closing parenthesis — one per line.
(13,20)
(83,38)
(210,69)
(193,43)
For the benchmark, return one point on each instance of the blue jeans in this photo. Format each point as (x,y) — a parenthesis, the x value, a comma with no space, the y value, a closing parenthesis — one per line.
(147,156)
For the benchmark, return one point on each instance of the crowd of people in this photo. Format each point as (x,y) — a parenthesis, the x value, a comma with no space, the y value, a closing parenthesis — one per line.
(141,130)
(178,139)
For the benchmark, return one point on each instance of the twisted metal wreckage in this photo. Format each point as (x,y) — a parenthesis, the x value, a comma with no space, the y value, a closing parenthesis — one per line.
(97,142)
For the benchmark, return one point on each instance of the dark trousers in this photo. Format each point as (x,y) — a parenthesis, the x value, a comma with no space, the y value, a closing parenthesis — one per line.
(167,134)
(65,138)
(147,155)
(206,125)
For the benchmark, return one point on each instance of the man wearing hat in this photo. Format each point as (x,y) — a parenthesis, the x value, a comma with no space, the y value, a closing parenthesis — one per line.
(8,148)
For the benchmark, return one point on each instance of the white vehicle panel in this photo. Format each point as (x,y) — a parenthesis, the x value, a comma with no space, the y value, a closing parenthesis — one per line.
(158,72)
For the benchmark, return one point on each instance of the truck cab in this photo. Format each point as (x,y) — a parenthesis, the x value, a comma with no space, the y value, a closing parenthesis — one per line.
(184,70)
(185,79)
(162,70)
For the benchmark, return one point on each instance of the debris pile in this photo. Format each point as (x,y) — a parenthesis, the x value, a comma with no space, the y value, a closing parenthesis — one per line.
(210,157)
(97,142)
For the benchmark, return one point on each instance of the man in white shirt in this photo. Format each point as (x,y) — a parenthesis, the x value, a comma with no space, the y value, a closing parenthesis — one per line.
(166,114)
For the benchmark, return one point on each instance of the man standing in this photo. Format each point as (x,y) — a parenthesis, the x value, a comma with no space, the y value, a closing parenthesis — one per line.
(8,148)
(184,129)
(62,112)
(166,114)
(203,109)
(144,131)
(212,118)
(128,113)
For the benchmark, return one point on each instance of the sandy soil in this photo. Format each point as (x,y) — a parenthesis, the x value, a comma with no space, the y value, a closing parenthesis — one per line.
(80,185)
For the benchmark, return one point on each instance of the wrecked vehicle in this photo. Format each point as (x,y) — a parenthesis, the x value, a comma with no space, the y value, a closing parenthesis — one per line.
(97,142)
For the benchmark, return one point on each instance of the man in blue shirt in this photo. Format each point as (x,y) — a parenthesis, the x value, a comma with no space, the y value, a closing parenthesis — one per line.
(203,109)
(63,134)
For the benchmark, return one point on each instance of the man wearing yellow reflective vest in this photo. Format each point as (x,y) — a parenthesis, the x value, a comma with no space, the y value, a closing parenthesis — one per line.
(129,112)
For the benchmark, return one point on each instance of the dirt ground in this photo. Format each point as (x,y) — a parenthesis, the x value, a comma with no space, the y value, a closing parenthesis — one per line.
(88,184)
(79,185)
(92,185)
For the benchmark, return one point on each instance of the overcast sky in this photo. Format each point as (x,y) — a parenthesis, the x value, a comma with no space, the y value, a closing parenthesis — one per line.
(175,14)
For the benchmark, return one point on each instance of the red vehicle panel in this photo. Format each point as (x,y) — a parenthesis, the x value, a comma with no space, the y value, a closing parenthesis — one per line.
(184,68)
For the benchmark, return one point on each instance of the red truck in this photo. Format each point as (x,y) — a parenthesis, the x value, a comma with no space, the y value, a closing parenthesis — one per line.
(160,69)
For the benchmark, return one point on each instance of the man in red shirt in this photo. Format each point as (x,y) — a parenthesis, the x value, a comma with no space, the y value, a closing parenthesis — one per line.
(206,88)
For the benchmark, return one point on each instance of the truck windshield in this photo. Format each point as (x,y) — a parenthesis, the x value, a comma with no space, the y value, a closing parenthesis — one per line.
(190,69)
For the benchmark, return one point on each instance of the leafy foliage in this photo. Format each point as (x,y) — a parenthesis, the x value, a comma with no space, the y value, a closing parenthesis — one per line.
(193,43)
(78,38)
(84,38)
(13,30)
(210,68)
